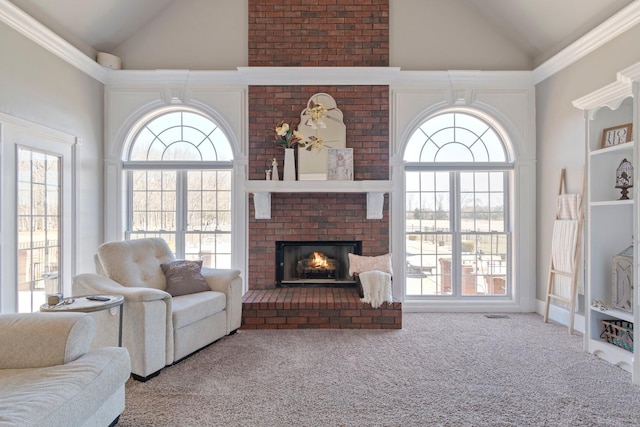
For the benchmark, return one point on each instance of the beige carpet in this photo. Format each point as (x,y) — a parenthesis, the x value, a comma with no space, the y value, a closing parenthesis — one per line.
(440,369)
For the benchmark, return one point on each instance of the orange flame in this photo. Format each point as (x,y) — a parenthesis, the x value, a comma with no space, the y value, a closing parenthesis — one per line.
(318,260)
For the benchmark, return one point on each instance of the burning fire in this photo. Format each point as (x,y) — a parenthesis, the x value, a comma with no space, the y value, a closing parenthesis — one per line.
(318,260)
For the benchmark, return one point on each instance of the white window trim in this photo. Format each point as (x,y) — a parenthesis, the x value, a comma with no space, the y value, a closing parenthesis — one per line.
(508,104)
(16,132)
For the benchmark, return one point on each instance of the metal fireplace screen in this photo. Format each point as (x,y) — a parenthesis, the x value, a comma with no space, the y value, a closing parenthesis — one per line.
(316,263)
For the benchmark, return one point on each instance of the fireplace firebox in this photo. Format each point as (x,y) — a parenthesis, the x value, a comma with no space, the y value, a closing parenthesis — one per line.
(315,263)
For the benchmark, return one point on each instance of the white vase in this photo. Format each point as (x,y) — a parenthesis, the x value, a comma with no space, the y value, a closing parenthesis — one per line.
(289,165)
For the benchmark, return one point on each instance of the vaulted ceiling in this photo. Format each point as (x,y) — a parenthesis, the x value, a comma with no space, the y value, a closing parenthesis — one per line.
(541,28)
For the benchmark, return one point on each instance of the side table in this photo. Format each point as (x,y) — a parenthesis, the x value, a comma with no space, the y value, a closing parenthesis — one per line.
(84,305)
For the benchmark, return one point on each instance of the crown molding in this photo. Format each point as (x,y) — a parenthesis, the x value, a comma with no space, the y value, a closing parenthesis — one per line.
(458,79)
(41,35)
(293,76)
(619,23)
(179,77)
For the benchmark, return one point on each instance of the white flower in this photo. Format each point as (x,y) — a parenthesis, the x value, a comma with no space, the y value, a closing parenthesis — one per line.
(283,129)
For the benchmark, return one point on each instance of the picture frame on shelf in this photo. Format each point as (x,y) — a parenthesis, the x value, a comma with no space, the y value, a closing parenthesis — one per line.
(340,164)
(616,135)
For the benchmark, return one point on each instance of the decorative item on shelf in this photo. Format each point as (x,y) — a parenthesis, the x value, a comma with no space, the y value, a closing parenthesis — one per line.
(275,176)
(618,333)
(267,174)
(325,123)
(288,139)
(289,165)
(616,135)
(340,164)
(596,303)
(624,178)
(622,280)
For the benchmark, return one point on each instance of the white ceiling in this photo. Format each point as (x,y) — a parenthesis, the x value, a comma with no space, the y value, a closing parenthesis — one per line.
(541,28)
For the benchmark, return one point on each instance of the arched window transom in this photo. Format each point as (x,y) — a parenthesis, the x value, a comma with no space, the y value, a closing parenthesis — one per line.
(180,136)
(455,137)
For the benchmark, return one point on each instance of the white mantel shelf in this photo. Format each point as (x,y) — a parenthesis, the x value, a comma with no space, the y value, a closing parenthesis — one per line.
(262,192)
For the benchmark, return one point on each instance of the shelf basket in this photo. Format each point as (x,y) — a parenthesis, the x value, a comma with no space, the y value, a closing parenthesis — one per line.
(619,333)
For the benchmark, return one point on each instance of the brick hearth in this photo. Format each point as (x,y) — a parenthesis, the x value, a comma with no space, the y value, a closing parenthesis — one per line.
(315,308)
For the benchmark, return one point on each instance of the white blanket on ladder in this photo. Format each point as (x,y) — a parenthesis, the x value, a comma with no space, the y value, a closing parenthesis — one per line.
(376,287)
(563,249)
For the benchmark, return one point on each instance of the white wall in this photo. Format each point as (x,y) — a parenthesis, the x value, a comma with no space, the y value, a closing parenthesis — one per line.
(38,87)
(561,131)
(193,35)
(448,35)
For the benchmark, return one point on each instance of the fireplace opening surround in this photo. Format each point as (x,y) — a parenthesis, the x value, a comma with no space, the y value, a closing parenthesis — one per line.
(315,263)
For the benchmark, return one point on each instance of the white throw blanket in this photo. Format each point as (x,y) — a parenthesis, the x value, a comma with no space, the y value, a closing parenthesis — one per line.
(563,247)
(564,241)
(568,206)
(376,287)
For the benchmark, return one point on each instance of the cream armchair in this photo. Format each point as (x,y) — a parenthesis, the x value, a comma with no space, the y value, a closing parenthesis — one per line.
(50,377)
(158,329)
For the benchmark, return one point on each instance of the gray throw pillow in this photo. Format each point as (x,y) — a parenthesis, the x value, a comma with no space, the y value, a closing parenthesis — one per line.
(184,277)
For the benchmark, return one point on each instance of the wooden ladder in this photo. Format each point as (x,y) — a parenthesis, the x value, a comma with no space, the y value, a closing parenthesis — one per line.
(573,273)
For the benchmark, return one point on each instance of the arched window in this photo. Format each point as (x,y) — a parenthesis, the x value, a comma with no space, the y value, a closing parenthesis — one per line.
(179,170)
(457,228)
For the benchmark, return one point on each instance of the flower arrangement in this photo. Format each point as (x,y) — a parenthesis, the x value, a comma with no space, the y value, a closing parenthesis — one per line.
(287,137)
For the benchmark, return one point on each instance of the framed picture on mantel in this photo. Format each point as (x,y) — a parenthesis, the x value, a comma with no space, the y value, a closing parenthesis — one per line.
(340,164)
(616,135)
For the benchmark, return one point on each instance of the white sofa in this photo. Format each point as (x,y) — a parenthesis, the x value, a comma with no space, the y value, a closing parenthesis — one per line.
(50,377)
(158,329)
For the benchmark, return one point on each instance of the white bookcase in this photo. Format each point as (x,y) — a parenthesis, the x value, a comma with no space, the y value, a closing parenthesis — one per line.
(611,224)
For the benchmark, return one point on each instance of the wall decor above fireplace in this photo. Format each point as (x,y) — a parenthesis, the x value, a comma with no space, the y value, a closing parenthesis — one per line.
(322,124)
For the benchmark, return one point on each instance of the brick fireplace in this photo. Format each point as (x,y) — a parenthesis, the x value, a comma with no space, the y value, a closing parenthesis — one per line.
(317,33)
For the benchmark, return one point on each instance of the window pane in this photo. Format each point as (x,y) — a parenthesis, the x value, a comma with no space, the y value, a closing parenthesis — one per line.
(153,200)
(484,257)
(428,257)
(38,218)
(213,249)
(182,151)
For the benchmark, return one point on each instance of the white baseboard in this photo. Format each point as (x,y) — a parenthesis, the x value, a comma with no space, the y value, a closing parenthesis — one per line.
(561,315)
